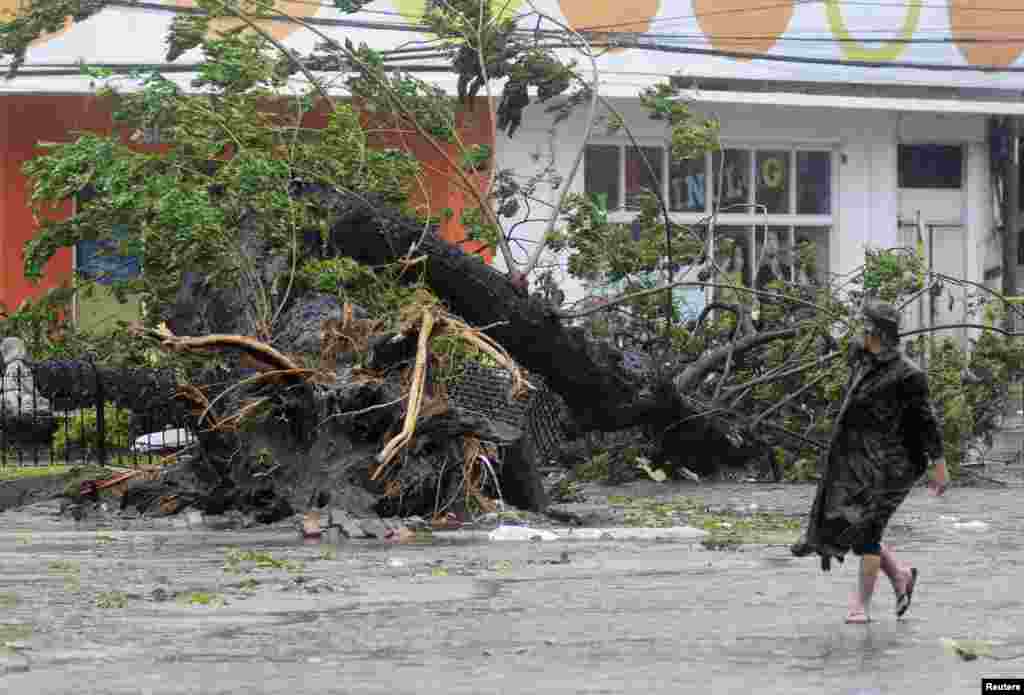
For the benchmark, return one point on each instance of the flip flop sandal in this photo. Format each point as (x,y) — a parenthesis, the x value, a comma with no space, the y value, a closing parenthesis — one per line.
(903,600)
(857,619)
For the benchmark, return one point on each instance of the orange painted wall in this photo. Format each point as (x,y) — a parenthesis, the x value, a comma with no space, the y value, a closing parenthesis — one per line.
(26,120)
(440,187)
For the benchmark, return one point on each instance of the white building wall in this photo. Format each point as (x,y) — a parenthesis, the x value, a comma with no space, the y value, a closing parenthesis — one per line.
(866,199)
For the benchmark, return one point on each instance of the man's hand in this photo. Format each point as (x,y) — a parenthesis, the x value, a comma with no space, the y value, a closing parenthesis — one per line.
(937,485)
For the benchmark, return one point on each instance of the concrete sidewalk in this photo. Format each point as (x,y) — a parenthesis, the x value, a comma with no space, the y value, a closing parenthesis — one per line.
(473,618)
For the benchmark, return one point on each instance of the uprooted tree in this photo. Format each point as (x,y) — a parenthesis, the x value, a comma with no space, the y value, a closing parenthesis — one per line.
(302,267)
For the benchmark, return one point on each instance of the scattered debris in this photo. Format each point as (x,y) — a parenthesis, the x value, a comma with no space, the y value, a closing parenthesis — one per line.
(375,528)
(636,533)
(164,441)
(201,598)
(399,535)
(971,526)
(340,519)
(311,525)
(521,533)
(448,521)
(194,519)
(690,475)
(112,599)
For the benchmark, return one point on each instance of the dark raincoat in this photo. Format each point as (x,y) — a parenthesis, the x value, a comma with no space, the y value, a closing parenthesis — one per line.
(884,435)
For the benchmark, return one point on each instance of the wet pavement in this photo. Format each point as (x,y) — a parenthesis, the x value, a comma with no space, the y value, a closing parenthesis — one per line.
(153,609)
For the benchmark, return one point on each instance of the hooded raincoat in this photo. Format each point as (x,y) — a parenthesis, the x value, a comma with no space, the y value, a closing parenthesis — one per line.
(884,435)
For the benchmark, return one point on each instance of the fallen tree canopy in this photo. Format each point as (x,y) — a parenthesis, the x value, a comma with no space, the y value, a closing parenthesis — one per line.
(343,430)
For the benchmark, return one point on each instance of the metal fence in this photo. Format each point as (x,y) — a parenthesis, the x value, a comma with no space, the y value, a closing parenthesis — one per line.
(484,390)
(75,412)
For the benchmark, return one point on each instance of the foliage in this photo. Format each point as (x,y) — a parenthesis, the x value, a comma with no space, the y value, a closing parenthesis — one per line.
(235,151)
(16,472)
(594,470)
(201,598)
(377,290)
(79,474)
(83,431)
(725,528)
(239,143)
(14,632)
(235,557)
(111,599)
(567,491)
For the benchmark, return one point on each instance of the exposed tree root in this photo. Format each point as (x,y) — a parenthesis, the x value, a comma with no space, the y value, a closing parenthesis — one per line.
(415,398)
(261,355)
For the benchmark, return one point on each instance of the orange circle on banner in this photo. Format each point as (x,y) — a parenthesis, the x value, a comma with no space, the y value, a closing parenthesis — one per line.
(988,20)
(610,16)
(728,23)
(9,9)
(280,30)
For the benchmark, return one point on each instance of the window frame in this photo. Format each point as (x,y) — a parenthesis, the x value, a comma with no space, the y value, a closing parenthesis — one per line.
(757,223)
(964,154)
(76,309)
(619,213)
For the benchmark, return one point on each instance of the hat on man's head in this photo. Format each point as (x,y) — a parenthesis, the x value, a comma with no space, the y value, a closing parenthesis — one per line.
(885,316)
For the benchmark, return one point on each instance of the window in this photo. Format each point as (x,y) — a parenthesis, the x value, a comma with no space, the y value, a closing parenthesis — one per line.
(775,217)
(102,262)
(813,183)
(772,189)
(105,263)
(639,165)
(931,166)
(732,171)
(770,180)
(601,174)
(688,185)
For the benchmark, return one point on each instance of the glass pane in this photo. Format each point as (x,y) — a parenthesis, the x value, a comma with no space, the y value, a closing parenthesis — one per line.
(601,174)
(773,180)
(814,183)
(688,185)
(733,255)
(774,256)
(101,261)
(812,255)
(735,179)
(638,173)
(931,166)
(689,301)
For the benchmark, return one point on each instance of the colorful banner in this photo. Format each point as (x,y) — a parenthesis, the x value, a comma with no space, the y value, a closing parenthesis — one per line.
(886,36)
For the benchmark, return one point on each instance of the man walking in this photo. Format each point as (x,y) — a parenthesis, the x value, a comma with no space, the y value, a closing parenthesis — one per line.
(884,435)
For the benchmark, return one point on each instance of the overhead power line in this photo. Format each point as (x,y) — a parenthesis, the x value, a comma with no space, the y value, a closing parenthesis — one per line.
(420,28)
(416,26)
(623,39)
(805,60)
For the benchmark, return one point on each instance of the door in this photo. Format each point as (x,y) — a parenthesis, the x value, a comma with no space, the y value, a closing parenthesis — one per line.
(932,213)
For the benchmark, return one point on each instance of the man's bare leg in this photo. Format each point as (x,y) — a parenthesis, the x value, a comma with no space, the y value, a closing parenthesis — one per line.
(903,579)
(860,600)
(896,571)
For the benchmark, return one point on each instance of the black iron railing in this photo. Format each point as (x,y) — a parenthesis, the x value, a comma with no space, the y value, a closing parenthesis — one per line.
(75,412)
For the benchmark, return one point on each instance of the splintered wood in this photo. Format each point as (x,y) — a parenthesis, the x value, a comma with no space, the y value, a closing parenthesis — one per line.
(415,397)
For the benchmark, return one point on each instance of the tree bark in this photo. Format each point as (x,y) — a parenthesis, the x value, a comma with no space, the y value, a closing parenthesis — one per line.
(598,391)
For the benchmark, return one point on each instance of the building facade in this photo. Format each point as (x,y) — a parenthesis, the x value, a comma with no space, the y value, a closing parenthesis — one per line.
(816,183)
(845,125)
